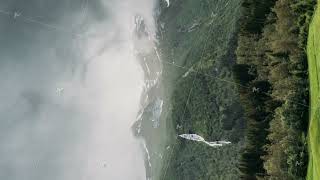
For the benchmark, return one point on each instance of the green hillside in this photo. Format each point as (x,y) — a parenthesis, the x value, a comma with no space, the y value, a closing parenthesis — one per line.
(314,75)
(197,43)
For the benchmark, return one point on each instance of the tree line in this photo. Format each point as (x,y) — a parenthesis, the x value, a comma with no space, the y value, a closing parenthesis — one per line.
(272,74)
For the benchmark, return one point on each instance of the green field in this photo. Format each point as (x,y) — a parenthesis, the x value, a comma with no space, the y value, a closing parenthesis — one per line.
(314,126)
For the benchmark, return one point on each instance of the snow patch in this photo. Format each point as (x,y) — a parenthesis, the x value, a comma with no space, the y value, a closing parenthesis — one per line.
(195,137)
(168,3)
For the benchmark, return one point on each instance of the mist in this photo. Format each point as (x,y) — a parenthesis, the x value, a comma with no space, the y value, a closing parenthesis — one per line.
(70,87)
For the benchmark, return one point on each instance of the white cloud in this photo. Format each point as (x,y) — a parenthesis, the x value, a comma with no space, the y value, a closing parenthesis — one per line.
(84,132)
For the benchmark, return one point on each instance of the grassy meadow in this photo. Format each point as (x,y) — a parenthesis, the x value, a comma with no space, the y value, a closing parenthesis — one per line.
(314,75)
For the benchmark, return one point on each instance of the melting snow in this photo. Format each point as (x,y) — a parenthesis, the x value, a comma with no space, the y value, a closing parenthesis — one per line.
(148,155)
(195,137)
(187,73)
(168,3)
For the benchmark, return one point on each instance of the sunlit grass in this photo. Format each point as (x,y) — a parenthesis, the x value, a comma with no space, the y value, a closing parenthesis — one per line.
(314,75)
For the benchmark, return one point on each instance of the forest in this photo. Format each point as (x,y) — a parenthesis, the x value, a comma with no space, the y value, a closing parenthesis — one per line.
(201,97)
(272,77)
(244,78)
